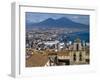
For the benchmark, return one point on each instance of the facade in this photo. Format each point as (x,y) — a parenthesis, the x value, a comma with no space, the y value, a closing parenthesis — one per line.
(78,54)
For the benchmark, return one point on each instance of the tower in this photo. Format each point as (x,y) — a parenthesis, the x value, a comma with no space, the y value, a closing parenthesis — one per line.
(77,45)
(77,55)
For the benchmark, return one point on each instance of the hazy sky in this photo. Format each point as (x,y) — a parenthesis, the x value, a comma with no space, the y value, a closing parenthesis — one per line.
(38,17)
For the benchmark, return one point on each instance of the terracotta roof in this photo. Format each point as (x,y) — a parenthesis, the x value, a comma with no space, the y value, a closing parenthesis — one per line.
(37,60)
(63,53)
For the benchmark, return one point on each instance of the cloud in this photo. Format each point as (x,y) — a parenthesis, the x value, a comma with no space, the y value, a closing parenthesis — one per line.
(75,17)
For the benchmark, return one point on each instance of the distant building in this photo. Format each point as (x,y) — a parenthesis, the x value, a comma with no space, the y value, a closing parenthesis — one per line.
(51,44)
(61,46)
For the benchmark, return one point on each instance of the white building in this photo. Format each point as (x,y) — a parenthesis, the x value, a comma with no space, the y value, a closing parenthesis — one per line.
(61,46)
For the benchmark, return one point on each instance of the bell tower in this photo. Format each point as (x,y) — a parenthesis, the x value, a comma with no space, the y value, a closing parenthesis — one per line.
(77,45)
(77,54)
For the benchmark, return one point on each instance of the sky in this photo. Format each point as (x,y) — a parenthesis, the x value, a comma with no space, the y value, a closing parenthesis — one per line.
(34,17)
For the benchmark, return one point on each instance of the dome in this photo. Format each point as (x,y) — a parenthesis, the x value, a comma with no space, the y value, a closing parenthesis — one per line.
(77,40)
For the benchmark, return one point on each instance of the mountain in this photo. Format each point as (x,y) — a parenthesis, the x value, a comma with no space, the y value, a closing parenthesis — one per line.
(59,23)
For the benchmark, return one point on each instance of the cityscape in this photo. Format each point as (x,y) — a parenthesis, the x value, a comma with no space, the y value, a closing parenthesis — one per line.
(54,39)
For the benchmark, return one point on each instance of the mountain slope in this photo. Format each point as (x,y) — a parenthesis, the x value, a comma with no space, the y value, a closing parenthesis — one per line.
(59,23)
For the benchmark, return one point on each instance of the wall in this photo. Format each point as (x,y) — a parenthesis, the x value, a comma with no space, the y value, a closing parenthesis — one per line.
(5,40)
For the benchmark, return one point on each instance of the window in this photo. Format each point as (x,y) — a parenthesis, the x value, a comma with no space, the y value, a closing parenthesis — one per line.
(80,57)
(77,47)
(74,57)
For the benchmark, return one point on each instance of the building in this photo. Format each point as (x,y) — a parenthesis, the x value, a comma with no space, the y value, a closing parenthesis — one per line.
(78,54)
(57,54)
